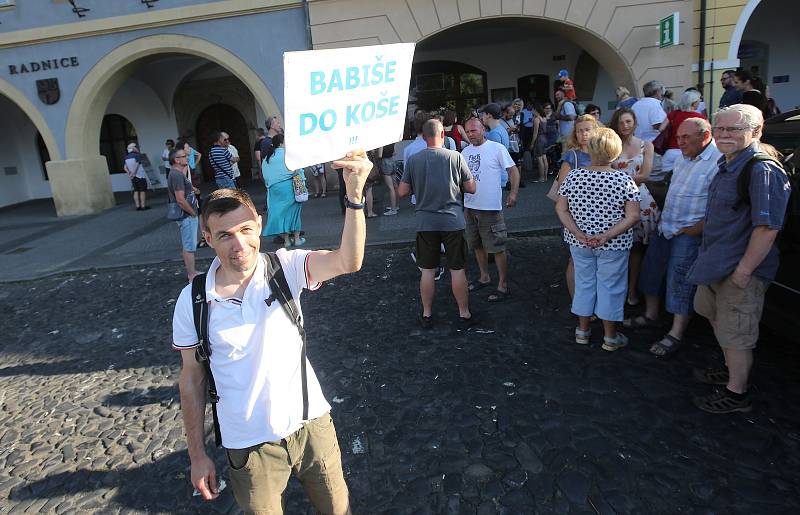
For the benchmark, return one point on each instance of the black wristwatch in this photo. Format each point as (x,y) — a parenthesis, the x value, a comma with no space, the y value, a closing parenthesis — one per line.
(351,205)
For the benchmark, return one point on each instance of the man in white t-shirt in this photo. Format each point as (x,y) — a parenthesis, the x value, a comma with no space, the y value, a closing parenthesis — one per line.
(485,226)
(650,115)
(255,358)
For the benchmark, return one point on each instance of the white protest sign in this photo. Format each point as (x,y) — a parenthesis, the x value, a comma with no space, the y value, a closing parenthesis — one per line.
(345,98)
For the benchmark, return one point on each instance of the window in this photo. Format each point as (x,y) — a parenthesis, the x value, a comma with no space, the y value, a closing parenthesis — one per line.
(115,134)
(448,84)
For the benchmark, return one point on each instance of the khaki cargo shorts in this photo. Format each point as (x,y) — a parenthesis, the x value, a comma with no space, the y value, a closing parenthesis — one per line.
(733,312)
(259,474)
(486,230)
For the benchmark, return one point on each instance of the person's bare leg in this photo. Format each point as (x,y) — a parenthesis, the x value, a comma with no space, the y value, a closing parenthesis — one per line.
(609,329)
(285,236)
(296,236)
(389,181)
(652,305)
(324,182)
(188,262)
(679,324)
(739,364)
(427,287)
(570,275)
(584,323)
(369,199)
(634,267)
(458,280)
(483,264)
(502,270)
(136,199)
(543,165)
(143,199)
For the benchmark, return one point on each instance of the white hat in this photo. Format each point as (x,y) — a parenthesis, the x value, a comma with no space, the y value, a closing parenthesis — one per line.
(131,146)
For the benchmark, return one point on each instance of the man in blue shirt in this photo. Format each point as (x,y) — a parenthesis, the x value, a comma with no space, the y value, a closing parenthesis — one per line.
(490,116)
(738,257)
(732,95)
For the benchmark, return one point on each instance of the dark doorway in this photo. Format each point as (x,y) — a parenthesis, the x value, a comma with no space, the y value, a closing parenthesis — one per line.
(222,117)
(115,134)
(534,87)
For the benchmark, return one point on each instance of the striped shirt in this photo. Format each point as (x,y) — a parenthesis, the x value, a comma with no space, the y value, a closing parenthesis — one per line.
(688,192)
(221,162)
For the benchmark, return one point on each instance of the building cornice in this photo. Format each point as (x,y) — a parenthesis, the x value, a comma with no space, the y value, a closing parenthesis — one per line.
(145,20)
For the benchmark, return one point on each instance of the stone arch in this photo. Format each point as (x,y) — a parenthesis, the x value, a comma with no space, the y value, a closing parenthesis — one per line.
(738,31)
(620,37)
(27,107)
(104,79)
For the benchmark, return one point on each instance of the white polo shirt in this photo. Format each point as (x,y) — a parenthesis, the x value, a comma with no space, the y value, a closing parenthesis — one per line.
(255,356)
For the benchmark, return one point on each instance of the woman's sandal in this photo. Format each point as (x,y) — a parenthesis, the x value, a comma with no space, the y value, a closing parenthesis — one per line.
(666,346)
(477,285)
(639,322)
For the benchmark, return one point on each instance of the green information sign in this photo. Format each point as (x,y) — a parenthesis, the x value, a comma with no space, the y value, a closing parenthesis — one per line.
(668,30)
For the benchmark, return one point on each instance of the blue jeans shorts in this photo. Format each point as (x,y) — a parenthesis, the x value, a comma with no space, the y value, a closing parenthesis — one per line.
(670,260)
(189,237)
(225,182)
(601,282)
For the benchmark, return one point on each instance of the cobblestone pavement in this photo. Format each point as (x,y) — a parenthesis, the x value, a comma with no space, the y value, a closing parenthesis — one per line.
(509,417)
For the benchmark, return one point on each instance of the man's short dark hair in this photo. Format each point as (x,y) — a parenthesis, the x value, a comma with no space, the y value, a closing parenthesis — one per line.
(260,132)
(171,142)
(215,136)
(224,201)
(172,154)
(728,72)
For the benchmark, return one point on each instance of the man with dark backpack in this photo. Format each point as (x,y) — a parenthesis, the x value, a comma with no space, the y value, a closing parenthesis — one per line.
(738,257)
(240,332)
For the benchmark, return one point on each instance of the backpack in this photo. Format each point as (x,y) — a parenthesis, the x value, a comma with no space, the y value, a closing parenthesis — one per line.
(280,291)
(743,190)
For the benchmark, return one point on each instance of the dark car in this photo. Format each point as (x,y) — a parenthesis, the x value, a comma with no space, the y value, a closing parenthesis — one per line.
(782,303)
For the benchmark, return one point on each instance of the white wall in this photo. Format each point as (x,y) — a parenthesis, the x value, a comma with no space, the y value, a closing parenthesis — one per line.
(21,153)
(136,101)
(774,22)
(504,63)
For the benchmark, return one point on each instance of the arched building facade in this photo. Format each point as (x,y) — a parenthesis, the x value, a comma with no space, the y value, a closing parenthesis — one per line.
(182,67)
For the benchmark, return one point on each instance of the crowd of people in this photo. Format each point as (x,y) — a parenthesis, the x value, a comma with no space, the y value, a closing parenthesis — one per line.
(635,199)
(661,206)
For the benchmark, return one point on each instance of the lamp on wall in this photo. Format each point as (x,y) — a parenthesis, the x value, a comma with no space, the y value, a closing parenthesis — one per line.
(80,11)
(149,3)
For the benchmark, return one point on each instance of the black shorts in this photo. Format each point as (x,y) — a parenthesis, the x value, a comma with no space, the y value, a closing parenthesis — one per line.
(429,245)
(139,184)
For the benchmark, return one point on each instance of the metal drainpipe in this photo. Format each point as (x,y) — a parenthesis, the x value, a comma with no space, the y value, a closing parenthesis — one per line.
(308,24)
(702,62)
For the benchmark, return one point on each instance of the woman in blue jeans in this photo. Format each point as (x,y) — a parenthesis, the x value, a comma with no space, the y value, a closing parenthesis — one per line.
(598,206)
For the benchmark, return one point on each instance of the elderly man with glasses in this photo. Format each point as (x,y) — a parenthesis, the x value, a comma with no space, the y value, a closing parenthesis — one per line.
(181,192)
(738,257)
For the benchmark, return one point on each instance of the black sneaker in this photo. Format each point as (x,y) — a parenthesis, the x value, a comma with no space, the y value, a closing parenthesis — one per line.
(426,322)
(724,401)
(466,323)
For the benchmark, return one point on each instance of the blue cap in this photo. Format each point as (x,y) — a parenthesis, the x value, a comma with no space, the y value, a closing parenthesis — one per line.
(563,73)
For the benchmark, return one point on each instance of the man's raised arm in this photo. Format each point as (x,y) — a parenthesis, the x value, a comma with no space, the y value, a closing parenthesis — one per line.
(324,264)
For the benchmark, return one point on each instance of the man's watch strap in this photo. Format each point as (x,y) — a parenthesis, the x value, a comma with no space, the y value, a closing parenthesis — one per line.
(352,205)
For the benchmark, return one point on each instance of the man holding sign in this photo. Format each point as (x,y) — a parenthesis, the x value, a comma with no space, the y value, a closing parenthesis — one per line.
(273,419)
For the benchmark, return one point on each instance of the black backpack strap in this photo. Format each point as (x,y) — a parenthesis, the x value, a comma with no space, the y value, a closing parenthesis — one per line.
(279,289)
(744,179)
(202,352)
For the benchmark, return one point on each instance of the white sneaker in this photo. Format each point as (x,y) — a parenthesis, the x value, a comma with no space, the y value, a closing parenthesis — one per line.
(390,212)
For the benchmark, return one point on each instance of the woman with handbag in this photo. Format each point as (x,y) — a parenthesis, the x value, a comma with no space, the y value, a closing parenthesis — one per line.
(283,217)
(636,160)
